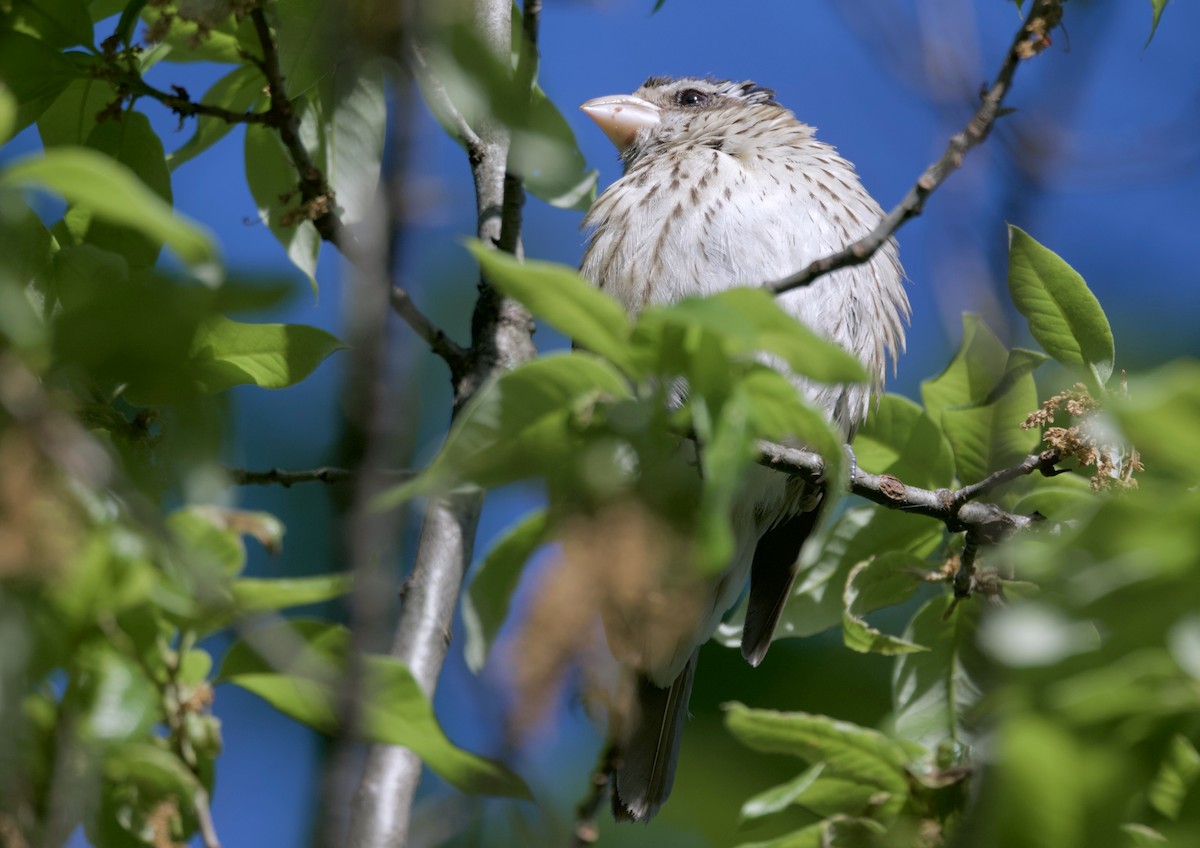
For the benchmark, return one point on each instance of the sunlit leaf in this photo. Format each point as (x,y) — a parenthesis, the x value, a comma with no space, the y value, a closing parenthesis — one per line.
(272,356)
(1063,314)
(1157,6)
(780,797)
(73,115)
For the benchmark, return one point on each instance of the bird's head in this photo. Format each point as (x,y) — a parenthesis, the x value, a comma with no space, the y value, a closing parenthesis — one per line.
(666,110)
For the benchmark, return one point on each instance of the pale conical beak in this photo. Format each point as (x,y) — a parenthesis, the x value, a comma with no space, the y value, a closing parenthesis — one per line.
(621,116)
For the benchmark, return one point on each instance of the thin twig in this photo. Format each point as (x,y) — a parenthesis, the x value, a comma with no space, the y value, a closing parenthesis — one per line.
(1029,40)
(288,477)
(1044,462)
(449,350)
(966,565)
(958,512)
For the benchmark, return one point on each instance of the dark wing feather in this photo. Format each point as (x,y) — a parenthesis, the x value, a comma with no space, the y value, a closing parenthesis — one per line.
(649,747)
(771,576)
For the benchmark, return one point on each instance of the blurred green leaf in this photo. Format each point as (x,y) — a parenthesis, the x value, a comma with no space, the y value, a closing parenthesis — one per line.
(35,72)
(780,797)
(1063,314)
(239,91)
(849,832)
(272,356)
(59,23)
(847,750)
(218,40)
(306,33)
(8,114)
(1021,361)
(275,186)
(394,709)
(1177,775)
(114,193)
(900,439)
(516,426)
(725,460)
(486,600)
(1159,417)
(255,594)
(933,691)
(111,696)
(547,156)
(886,580)
(564,300)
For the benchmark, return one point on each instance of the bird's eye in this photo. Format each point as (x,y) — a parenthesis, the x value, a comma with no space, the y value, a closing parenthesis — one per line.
(691,97)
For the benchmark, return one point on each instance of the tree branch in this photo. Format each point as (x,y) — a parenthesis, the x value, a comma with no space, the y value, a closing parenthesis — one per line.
(953,507)
(1031,38)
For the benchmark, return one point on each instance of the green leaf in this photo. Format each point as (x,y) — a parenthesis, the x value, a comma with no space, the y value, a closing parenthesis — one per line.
(272,356)
(305,31)
(1063,314)
(816,602)
(113,193)
(932,692)
(238,91)
(884,581)
(8,114)
(73,115)
(34,72)
(986,438)
(983,430)
(486,600)
(564,300)
(752,322)
(1175,777)
(1157,6)
(780,797)
(778,412)
(255,595)
(272,179)
(516,426)
(131,142)
(900,439)
(59,23)
(847,750)
(394,709)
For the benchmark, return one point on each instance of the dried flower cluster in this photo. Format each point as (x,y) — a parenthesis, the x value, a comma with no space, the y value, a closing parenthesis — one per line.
(1115,464)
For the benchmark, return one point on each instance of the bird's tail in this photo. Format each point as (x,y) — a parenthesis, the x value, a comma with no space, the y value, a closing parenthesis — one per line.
(648,746)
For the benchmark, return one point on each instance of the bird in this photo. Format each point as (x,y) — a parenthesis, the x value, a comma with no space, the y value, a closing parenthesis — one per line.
(724,187)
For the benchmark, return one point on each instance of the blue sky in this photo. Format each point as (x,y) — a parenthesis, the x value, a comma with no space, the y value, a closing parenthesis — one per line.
(1108,136)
